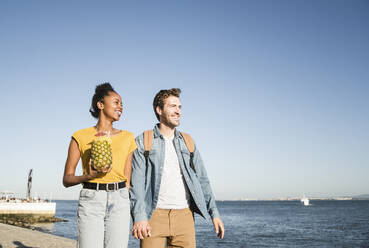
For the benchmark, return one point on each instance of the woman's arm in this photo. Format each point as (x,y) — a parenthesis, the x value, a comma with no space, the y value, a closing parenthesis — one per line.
(69,178)
(128,169)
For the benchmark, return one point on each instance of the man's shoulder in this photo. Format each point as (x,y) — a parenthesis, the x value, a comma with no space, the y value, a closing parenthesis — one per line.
(139,139)
(141,135)
(185,134)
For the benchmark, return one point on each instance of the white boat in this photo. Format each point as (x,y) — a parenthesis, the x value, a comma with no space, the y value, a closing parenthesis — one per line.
(305,200)
(10,205)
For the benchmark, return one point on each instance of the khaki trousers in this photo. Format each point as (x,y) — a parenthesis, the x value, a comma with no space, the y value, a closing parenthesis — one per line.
(174,226)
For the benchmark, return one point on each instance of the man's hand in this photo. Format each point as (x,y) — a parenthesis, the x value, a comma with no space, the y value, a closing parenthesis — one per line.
(218,227)
(141,229)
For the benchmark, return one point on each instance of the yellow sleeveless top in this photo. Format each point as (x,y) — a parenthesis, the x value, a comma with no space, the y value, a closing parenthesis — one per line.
(122,145)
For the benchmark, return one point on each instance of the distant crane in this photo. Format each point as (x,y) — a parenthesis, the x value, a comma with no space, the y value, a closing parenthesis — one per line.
(29,185)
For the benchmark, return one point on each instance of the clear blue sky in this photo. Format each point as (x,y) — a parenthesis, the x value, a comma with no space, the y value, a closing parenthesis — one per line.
(275,93)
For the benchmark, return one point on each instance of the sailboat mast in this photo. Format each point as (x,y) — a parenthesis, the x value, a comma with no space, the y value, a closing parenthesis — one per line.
(29,184)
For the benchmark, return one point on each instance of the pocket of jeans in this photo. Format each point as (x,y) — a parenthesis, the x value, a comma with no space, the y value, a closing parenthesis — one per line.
(124,193)
(86,194)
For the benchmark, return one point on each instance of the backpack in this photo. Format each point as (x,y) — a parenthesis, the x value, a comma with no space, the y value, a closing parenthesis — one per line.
(149,135)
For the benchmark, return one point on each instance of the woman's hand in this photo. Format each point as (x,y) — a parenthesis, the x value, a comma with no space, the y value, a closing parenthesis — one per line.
(70,178)
(141,229)
(93,173)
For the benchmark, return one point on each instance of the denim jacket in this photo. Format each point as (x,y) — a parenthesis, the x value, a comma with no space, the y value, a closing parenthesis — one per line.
(145,179)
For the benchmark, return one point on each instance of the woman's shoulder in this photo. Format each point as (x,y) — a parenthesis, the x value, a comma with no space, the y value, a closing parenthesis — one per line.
(84,131)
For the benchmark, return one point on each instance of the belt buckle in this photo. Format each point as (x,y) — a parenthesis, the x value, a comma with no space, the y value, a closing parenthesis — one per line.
(115,187)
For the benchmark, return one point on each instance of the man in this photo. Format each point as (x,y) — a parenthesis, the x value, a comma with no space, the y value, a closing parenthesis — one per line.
(166,189)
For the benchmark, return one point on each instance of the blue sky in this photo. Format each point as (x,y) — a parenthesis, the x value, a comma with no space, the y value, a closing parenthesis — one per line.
(275,93)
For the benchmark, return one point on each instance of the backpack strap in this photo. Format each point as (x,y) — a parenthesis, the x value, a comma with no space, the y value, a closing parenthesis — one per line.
(191,148)
(148,136)
(189,142)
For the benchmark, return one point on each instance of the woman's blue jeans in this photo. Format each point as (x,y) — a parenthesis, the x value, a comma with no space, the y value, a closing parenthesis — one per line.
(103,218)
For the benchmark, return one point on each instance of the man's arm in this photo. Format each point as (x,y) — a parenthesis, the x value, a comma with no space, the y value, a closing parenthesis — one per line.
(141,227)
(205,185)
(208,194)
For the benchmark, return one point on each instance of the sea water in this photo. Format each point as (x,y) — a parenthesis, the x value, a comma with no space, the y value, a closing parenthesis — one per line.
(264,224)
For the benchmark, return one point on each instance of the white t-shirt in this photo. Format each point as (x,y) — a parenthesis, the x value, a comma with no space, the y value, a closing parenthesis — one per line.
(173,193)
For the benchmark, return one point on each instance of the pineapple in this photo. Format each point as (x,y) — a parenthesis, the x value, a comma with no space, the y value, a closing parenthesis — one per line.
(101,153)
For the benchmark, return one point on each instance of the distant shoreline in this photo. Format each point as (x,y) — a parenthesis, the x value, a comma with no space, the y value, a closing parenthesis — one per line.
(284,199)
(298,199)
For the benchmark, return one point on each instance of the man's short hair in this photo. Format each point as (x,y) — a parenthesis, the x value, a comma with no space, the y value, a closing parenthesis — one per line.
(161,96)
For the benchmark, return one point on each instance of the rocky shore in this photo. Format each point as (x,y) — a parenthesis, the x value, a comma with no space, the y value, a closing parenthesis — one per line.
(27,220)
(15,237)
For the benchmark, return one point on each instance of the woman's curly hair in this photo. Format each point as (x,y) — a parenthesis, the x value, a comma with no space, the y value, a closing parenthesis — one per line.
(101,91)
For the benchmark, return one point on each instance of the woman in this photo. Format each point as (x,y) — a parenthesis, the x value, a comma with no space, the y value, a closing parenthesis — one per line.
(103,209)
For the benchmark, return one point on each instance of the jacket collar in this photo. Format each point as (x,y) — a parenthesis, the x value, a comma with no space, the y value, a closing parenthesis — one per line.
(158,134)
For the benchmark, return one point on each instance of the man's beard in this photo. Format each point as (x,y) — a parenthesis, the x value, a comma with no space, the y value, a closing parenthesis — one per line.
(166,121)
